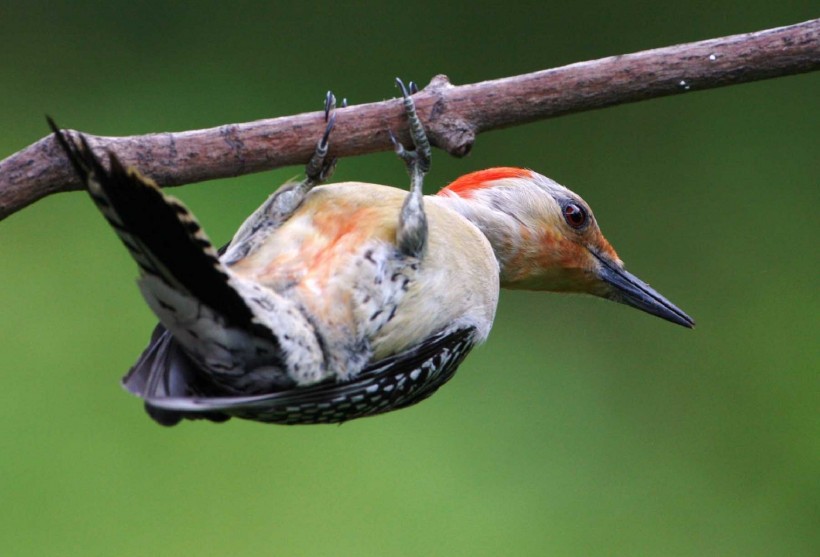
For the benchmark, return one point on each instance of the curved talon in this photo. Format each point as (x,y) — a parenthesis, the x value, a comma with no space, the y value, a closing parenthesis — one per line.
(399,149)
(400,83)
(330,103)
(323,143)
(411,89)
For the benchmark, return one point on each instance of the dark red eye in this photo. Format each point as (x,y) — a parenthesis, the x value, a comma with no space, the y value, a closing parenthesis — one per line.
(575,215)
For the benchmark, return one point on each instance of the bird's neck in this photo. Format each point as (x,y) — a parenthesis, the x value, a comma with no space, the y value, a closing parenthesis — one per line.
(506,234)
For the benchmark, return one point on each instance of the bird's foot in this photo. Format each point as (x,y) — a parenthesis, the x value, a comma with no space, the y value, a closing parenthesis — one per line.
(417,160)
(321,167)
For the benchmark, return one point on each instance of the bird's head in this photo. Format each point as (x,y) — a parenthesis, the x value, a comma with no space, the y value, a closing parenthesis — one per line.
(546,238)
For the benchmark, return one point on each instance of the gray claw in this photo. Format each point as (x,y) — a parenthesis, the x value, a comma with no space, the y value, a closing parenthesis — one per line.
(407,156)
(330,103)
(404,91)
(326,136)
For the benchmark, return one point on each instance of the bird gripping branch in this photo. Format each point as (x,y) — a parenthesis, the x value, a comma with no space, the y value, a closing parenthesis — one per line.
(334,302)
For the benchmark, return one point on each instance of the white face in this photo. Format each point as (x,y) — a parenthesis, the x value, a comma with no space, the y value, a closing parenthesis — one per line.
(545,238)
(550,235)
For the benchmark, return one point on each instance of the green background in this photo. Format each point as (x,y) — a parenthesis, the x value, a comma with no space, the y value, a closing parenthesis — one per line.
(581,428)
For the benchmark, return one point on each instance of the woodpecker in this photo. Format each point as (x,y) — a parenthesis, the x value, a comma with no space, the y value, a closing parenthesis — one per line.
(335,302)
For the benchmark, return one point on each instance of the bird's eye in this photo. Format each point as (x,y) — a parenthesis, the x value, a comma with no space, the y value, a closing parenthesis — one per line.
(575,215)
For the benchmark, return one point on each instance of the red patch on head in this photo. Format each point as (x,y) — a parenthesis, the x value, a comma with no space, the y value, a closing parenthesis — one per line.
(467,184)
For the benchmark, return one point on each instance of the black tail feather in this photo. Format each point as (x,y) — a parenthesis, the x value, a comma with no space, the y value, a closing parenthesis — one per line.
(162,235)
(164,370)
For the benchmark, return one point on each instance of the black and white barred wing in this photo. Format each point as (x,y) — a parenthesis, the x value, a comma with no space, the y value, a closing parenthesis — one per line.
(396,382)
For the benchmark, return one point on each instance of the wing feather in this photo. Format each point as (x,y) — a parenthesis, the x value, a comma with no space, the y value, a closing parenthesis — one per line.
(396,382)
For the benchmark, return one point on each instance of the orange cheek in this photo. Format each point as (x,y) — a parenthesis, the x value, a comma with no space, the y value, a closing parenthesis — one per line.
(559,252)
(603,246)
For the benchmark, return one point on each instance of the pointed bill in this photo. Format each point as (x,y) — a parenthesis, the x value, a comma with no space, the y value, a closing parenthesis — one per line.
(628,289)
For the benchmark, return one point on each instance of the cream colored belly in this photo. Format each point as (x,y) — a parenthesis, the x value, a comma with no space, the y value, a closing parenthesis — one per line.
(337,257)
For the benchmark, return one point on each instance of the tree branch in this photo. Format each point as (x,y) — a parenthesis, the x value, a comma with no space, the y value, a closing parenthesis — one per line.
(453,115)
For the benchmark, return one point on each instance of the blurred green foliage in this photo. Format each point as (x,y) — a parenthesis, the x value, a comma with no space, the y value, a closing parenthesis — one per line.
(581,428)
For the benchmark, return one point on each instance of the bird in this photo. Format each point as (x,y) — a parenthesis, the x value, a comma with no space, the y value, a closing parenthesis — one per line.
(340,301)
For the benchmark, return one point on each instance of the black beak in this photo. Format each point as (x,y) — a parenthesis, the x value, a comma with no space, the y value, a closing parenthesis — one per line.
(628,289)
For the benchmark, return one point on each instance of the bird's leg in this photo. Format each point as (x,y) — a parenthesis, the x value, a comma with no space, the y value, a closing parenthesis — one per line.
(320,167)
(287,199)
(281,205)
(412,233)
